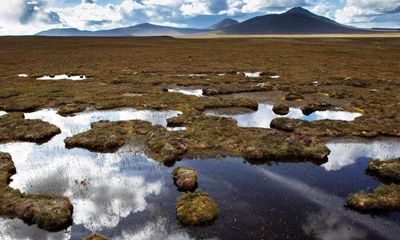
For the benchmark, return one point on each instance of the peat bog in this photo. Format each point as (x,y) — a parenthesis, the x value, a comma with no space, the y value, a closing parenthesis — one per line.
(101,152)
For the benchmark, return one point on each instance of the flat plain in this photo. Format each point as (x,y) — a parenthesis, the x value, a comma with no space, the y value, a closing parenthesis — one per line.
(273,181)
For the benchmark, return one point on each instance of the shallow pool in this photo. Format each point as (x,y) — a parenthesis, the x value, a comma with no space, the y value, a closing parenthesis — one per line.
(264,115)
(126,195)
(64,77)
(187,91)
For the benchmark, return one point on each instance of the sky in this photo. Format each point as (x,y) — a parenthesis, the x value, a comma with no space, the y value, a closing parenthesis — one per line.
(24,17)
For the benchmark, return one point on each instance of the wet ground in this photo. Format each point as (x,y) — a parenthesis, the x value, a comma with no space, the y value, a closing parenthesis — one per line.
(128,196)
(186,91)
(264,115)
(125,195)
(63,77)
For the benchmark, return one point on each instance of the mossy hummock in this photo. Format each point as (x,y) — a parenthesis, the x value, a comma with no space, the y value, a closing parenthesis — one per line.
(50,212)
(385,198)
(14,127)
(196,208)
(185,178)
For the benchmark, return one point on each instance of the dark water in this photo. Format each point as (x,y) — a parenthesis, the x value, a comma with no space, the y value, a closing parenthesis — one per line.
(126,195)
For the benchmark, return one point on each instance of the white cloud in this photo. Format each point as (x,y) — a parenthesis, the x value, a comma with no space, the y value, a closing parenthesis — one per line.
(26,17)
(366,11)
(323,9)
(29,17)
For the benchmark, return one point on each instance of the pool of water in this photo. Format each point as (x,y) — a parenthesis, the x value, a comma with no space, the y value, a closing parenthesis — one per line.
(2,113)
(264,115)
(193,75)
(23,75)
(132,94)
(64,77)
(126,195)
(252,74)
(187,91)
(345,152)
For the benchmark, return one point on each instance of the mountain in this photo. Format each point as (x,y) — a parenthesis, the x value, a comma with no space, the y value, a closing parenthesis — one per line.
(227,22)
(145,29)
(295,21)
(64,32)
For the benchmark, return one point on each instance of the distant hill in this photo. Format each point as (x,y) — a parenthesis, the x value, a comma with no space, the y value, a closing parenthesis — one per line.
(387,29)
(227,22)
(145,29)
(64,32)
(295,21)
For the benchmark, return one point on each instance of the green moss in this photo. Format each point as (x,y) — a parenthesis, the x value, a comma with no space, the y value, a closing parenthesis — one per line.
(13,127)
(388,170)
(71,109)
(185,178)
(236,88)
(196,208)
(201,140)
(385,197)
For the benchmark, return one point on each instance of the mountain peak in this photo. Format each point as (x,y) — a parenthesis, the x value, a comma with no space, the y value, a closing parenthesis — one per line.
(299,10)
(227,22)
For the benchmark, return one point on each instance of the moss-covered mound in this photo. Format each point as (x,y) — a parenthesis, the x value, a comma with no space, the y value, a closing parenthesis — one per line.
(312,107)
(96,236)
(71,109)
(280,109)
(185,178)
(47,211)
(196,208)
(385,197)
(205,137)
(13,127)
(388,170)
(360,127)
(236,88)
(292,96)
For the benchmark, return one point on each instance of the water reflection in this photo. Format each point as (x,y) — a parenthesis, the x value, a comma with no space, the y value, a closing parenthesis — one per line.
(153,230)
(328,225)
(347,152)
(64,77)
(193,75)
(102,187)
(125,195)
(331,203)
(23,75)
(192,92)
(2,113)
(252,74)
(264,115)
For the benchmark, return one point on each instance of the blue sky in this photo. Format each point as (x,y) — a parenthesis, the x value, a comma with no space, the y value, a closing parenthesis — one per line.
(19,17)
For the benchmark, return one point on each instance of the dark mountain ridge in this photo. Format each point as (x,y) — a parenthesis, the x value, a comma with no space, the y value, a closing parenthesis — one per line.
(227,22)
(295,21)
